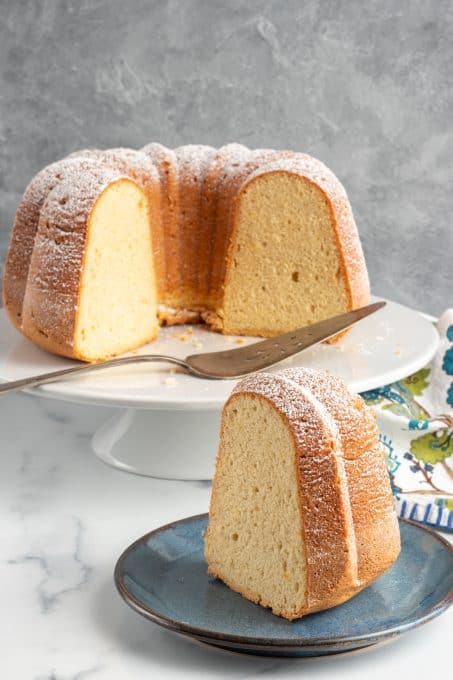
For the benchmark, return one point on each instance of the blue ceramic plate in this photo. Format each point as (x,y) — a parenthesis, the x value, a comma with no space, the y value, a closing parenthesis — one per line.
(163,577)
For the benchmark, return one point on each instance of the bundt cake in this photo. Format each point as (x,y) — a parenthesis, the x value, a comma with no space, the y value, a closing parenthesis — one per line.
(302,515)
(252,242)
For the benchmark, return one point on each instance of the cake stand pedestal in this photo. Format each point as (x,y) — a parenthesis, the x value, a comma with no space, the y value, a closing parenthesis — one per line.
(164,444)
(166,423)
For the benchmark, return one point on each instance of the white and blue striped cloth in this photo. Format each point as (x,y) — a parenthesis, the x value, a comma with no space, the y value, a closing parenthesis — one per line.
(430,514)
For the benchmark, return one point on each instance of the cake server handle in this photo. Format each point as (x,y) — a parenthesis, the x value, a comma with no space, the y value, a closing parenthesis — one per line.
(54,376)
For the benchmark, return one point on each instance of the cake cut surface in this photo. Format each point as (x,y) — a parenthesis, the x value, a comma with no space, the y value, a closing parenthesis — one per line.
(301,515)
(262,502)
(252,242)
(117,295)
(291,267)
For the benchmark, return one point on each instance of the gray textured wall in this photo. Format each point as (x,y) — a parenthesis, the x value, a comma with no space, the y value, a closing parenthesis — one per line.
(366,86)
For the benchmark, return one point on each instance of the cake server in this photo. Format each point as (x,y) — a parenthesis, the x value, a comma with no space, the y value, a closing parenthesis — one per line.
(229,364)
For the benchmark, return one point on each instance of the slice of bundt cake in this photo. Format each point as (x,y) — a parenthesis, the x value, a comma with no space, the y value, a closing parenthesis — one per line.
(302,514)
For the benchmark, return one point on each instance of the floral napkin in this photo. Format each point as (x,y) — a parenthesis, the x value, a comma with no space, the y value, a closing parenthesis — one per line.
(415,418)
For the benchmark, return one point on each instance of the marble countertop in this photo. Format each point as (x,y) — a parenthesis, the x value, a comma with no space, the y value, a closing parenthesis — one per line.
(64,519)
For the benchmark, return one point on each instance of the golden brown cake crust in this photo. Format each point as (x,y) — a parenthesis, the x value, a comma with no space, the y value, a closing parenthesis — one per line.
(232,158)
(166,164)
(223,163)
(193,161)
(372,504)
(24,232)
(344,488)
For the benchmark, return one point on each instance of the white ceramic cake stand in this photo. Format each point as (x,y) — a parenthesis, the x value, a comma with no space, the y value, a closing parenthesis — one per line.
(166,423)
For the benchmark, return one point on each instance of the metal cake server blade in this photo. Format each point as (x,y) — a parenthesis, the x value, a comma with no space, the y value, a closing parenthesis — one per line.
(236,363)
(228,364)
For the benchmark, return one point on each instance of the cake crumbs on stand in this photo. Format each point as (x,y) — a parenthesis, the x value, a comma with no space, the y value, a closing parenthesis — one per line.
(170,382)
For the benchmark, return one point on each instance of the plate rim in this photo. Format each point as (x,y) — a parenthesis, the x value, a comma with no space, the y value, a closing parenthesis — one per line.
(169,402)
(281,644)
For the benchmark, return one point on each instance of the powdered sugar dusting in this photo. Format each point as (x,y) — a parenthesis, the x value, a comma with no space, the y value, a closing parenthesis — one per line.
(343,412)
(194,159)
(39,187)
(355,420)
(230,158)
(53,281)
(26,224)
(318,405)
(314,430)
(159,155)
(135,164)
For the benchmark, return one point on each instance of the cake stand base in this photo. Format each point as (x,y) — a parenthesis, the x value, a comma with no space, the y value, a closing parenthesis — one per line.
(164,444)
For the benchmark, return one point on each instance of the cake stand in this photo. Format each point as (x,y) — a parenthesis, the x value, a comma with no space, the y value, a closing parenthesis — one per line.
(165,423)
